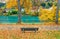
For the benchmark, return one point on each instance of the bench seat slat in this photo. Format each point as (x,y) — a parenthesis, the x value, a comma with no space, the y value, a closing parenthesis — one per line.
(29,29)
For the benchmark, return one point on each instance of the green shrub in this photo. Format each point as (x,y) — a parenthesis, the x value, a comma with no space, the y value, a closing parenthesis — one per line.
(43,4)
(8,13)
(24,13)
(36,13)
(47,6)
(14,12)
(50,4)
(55,3)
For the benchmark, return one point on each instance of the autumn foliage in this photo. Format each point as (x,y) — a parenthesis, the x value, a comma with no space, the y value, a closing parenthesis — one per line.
(44,14)
(23,3)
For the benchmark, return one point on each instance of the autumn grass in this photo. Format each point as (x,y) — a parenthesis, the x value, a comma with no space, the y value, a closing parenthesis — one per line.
(17,34)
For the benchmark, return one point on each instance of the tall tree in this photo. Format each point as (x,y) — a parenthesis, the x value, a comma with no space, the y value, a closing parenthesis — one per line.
(19,4)
(19,11)
(58,5)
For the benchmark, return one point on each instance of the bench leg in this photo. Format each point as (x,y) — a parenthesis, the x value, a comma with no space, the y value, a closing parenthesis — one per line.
(35,30)
(23,31)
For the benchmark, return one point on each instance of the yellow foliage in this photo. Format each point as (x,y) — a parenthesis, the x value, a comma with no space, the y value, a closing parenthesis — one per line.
(47,14)
(27,10)
(59,19)
(27,4)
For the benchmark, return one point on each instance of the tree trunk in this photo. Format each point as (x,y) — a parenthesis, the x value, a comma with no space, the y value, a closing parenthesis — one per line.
(19,11)
(58,4)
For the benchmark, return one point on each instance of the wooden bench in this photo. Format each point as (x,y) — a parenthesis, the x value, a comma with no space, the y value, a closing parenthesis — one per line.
(29,29)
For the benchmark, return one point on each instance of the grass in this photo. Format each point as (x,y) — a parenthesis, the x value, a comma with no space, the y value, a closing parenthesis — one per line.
(17,34)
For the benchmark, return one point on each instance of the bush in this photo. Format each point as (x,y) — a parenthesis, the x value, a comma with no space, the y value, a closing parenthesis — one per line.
(43,4)
(9,13)
(14,12)
(55,3)
(23,13)
(34,13)
(50,4)
(47,6)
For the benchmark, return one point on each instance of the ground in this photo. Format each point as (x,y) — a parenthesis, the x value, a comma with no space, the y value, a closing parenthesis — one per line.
(13,31)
